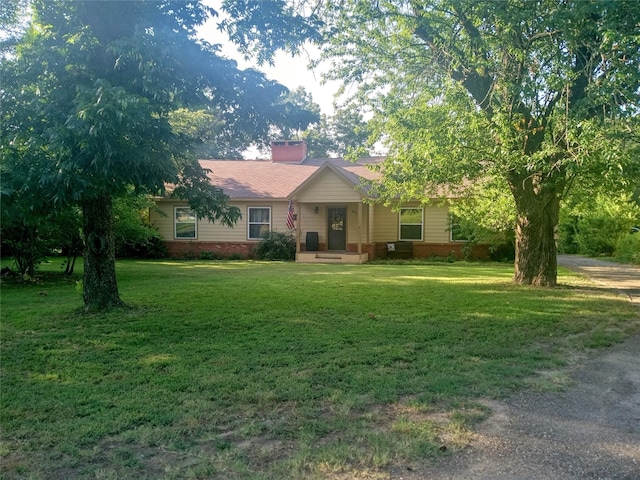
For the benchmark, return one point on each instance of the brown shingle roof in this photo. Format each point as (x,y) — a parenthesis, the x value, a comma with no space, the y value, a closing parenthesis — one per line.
(256,178)
(264,179)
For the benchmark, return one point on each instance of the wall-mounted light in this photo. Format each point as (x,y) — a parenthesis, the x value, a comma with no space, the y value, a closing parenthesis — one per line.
(315,210)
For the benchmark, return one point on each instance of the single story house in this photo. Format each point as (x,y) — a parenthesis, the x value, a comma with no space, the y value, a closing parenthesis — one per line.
(334,219)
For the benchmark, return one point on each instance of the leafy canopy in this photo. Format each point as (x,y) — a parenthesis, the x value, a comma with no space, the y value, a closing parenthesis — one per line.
(92,91)
(467,89)
(88,95)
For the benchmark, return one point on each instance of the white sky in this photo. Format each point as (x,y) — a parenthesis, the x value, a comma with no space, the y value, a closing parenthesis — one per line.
(290,72)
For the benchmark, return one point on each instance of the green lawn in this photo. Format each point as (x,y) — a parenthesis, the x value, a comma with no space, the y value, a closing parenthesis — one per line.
(255,370)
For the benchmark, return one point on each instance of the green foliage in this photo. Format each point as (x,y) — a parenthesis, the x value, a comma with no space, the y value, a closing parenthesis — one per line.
(12,23)
(21,241)
(276,246)
(567,230)
(28,236)
(318,138)
(210,137)
(63,231)
(486,214)
(60,232)
(539,96)
(302,112)
(205,129)
(628,248)
(338,135)
(28,214)
(594,225)
(134,237)
(260,29)
(206,200)
(597,235)
(210,256)
(87,97)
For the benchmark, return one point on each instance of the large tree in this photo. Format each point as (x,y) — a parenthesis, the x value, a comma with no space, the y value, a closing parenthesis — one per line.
(326,136)
(87,96)
(338,135)
(538,95)
(541,94)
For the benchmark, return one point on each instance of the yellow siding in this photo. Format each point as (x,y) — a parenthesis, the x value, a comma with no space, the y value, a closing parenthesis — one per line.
(317,222)
(385,227)
(279,210)
(352,223)
(313,222)
(435,224)
(328,187)
(210,232)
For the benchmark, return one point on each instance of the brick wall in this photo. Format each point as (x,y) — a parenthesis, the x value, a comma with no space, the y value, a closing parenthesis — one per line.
(182,249)
(426,250)
(193,249)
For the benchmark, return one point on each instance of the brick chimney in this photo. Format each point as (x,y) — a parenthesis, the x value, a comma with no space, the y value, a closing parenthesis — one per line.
(288,151)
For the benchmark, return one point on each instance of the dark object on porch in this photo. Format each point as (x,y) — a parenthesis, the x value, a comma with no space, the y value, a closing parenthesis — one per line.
(400,250)
(311,244)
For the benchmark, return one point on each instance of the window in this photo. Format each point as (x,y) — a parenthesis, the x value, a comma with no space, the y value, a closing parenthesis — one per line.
(185,223)
(259,222)
(458,233)
(411,224)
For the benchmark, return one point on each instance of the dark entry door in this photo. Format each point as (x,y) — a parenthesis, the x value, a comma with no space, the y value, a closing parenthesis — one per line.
(337,238)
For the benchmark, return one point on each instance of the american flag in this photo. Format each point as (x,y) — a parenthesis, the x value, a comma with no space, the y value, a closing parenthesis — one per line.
(290,216)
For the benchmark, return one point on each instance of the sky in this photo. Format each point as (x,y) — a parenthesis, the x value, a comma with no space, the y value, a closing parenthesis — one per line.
(290,72)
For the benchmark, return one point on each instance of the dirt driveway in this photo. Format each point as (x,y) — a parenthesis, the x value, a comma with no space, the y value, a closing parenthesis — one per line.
(625,279)
(589,431)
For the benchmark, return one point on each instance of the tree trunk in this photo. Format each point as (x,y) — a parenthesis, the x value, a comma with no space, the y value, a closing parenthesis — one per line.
(536,253)
(100,289)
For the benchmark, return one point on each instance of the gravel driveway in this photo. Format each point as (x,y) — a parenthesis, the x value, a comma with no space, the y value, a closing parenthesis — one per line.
(589,431)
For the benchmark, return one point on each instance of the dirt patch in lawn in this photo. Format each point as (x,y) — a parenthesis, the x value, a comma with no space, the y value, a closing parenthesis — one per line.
(590,429)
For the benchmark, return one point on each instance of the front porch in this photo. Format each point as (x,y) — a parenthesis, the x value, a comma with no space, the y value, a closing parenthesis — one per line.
(331,256)
(332,233)
(332,223)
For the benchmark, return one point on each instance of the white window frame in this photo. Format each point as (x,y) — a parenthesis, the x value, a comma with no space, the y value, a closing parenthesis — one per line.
(250,223)
(176,223)
(400,224)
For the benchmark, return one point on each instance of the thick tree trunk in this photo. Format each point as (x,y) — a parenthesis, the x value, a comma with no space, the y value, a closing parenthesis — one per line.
(536,252)
(100,289)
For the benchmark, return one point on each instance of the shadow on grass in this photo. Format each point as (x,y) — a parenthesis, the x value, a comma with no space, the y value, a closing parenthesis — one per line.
(276,370)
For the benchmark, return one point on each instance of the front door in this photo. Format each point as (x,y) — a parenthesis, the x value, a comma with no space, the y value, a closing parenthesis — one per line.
(337,238)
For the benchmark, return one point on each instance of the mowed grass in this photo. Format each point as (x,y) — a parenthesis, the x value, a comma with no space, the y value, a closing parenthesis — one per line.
(256,370)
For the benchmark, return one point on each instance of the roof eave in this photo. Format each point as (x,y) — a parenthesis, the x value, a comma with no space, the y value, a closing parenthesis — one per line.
(337,170)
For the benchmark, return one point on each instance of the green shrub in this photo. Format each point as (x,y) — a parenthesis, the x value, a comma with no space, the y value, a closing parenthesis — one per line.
(134,236)
(628,248)
(189,255)
(276,246)
(504,252)
(149,247)
(598,234)
(206,255)
(594,225)
(567,242)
